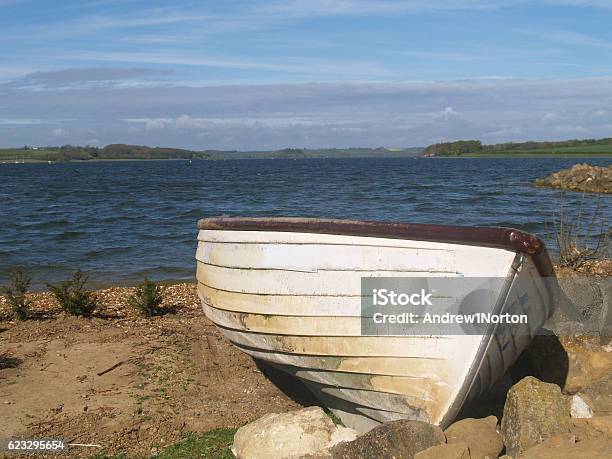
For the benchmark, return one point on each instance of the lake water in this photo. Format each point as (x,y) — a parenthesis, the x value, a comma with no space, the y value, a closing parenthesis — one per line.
(121,221)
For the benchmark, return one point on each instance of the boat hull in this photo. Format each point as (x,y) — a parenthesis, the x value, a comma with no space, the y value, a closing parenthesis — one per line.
(293,299)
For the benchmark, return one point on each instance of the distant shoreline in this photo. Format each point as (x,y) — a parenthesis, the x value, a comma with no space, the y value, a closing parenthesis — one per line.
(464,156)
(573,148)
(125,152)
(526,155)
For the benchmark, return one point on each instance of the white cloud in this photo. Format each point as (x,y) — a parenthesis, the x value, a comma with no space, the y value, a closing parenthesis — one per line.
(308,8)
(601,113)
(20,121)
(566,129)
(570,37)
(583,3)
(188,123)
(155,124)
(232,16)
(335,67)
(550,118)
(500,135)
(84,77)
(408,113)
(59,133)
(446,114)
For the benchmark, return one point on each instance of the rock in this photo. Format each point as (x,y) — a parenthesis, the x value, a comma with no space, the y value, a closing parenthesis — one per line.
(579,408)
(490,420)
(342,434)
(446,451)
(580,177)
(588,361)
(582,309)
(592,428)
(550,444)
(559,449)
(397,439)
(534,410)
(602,424)
(598,396)
(544,358)
(293,434)
(571,362)
(605,267)
(480,435)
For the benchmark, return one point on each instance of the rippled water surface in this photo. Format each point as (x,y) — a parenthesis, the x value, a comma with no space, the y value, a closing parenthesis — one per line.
(121,221)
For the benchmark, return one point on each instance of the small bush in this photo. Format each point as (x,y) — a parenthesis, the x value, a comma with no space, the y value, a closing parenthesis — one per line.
(581,238)
(16,294)
(147,298)
(72,296)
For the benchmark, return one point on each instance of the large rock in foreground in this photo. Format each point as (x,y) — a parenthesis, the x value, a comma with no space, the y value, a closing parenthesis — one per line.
(588,362)
(480,435)
(580,177)
(574,363)
(285,435)
(393,440)
(534,411)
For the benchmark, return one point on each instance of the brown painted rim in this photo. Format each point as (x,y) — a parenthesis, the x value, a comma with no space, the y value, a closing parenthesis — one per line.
(496,237)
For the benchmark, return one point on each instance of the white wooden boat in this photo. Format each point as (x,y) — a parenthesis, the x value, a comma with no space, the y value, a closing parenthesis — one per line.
(288,291)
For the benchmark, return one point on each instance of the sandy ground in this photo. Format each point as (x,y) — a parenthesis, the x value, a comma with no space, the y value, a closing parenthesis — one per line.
(135,384)
(171,375)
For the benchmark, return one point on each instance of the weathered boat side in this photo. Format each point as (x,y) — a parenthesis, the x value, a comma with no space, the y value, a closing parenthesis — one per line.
(497,237)
(287,291)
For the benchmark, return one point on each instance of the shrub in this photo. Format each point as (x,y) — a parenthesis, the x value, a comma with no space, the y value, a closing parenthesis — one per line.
(16,294)
(581,238)
(72,296)
(147,298)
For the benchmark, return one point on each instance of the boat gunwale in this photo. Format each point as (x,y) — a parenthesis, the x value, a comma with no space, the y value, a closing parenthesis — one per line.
(486,236)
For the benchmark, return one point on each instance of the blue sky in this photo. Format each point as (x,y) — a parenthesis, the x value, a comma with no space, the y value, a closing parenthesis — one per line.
(271,74)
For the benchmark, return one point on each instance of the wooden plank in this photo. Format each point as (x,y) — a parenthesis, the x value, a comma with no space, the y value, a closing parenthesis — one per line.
(325,325)
(275,282)
(315,257)
(416,347)
(303,305)
(462,259)
(374,366)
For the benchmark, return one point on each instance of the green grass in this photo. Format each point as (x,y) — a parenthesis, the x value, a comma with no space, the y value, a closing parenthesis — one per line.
(588,150)
(211,445)
(19,154)
(214,444)
(335,419)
